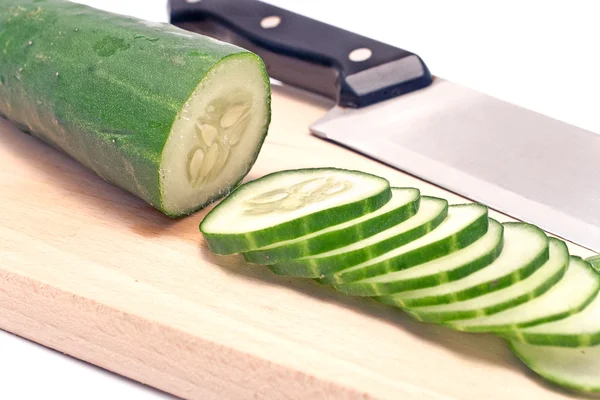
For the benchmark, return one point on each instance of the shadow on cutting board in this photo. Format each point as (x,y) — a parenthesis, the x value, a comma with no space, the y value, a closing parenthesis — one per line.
(456,341)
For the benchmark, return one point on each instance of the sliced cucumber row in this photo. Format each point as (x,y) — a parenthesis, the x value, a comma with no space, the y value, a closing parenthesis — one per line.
(432,213)
(566,351)
(436,272)
(494,300)
(525,250)
(573,292)
(463,225)
(446,264)
(403,205)
(580,329)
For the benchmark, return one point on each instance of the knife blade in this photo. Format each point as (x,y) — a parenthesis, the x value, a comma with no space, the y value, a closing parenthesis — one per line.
(389,107)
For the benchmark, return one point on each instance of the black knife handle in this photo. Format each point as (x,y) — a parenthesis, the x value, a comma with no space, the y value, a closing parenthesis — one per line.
(307,53)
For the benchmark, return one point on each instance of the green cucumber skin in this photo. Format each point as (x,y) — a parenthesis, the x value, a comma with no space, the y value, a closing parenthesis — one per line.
(475,291)
(103,88)
(557,340)
(387,288)
(594,261)
(417,256)
(243,242)
(334,239)
(531,364)
(441,317)
(553,340)
(509,331)
(318,267)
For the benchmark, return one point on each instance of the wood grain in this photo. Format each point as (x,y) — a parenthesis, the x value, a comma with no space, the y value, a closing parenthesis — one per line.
(95,273)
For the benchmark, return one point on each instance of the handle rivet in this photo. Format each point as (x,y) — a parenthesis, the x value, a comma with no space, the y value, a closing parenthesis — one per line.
(360,54)
(270,22)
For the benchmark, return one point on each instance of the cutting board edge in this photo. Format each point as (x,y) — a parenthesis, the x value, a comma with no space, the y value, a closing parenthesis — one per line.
(34,305)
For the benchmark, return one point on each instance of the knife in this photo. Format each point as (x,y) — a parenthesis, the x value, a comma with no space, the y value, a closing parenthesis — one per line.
(389,107)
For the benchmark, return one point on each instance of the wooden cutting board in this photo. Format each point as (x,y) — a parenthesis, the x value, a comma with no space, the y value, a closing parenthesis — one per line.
(95,273)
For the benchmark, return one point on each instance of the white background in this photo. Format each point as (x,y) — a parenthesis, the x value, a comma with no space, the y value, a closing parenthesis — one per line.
(543,55)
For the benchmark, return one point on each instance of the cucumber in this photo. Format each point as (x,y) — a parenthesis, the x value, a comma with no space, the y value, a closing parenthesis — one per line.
(171,116)
(465,224)
(525,250)
(436,272)
(403,205)
(289,204)
(432,211)
(493,302)
(581,329)
(573,292)
(577,369)
(594,261)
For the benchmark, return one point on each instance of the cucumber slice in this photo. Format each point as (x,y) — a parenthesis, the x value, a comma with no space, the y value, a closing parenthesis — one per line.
(581,329)
(573,292)
(286,205)
(432,211)
(403,205)
(465,224)
(529,288)
(171,116)
(525,250)
(594,262)
(577,369)
(436,272)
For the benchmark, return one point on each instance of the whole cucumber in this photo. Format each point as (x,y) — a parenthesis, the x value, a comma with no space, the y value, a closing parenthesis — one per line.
(171,116)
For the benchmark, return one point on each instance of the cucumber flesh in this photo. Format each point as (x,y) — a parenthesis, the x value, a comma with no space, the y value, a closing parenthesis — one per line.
(580,329)
(594,262)
(529,288)
(215,137)
(454,266)
(286,205)
(403,205)
(432,211)
(577,369)
(525,250)
(465,224)
(573,292)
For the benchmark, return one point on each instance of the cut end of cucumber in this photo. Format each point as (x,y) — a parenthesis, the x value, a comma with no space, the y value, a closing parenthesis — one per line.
(216,137)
